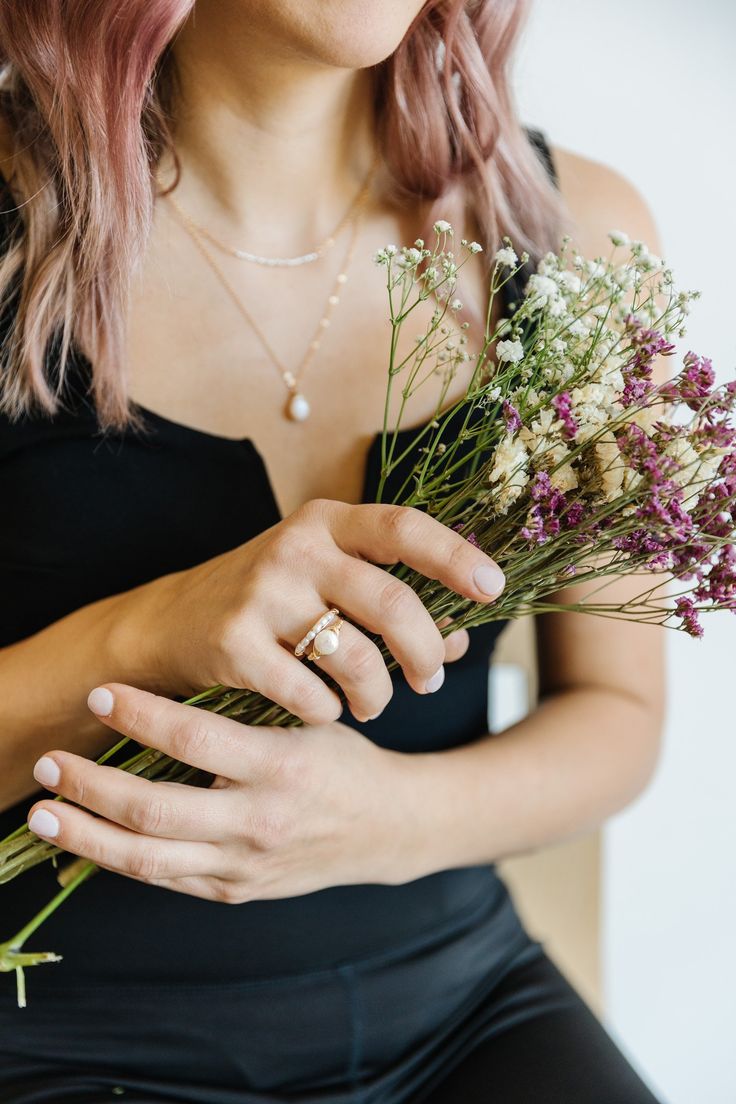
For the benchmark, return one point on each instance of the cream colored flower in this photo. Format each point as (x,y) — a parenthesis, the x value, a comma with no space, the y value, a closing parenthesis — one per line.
(510,470)
(564,478)
(610,467)
(646,417)
(537,435)
(696,468)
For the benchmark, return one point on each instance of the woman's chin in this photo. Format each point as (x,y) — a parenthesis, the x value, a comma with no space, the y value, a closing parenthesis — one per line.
(346,34)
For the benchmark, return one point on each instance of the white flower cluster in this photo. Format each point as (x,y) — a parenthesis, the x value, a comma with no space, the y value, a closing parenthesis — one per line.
(506,257)
(579,310)
(511,350)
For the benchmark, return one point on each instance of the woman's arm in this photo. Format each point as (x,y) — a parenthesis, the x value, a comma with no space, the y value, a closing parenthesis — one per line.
(586,751)
(44,682)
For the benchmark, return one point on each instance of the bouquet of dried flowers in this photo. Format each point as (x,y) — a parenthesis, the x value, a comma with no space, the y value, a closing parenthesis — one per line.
(563,458)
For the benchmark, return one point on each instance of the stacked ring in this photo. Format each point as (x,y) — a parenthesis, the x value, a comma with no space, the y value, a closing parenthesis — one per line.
(320,626)
(326,641)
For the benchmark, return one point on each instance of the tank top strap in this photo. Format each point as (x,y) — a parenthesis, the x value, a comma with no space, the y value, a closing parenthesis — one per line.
(538,140)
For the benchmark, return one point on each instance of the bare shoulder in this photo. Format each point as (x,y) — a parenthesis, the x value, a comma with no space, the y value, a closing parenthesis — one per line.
(600,198)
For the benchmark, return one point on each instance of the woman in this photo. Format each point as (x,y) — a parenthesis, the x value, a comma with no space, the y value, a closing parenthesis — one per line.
(324,923)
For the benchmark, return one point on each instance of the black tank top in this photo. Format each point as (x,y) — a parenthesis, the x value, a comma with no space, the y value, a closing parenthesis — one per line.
(87,516)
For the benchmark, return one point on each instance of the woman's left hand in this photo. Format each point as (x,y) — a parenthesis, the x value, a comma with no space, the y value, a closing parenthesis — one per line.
(291,810)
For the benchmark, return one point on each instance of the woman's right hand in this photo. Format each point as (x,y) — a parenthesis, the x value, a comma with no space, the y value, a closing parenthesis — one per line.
(235,619)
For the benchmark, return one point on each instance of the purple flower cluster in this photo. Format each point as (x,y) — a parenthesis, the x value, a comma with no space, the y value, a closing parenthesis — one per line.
(551,510)
(647,344)
(693,384)
(643,453)
(665,525)
(677,515)
(511,417)
(685,609)
(691,544)
(562,404)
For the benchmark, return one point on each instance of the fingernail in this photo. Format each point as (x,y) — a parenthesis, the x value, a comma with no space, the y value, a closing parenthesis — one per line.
(44,823)
(101,701)
(490,579)
(435,681)
(47,772)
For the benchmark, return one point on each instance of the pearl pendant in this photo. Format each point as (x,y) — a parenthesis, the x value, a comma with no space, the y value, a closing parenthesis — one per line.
(298,408)
(326,642)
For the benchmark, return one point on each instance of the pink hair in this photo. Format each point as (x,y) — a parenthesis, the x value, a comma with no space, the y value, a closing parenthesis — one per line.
(86,91)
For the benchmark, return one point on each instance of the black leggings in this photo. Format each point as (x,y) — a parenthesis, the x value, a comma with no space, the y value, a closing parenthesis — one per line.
(434,1023)
(546,1047)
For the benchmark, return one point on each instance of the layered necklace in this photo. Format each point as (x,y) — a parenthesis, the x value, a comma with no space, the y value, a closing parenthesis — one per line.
(297,406)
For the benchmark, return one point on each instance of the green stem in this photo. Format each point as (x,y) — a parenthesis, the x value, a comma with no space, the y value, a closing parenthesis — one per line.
(11,957)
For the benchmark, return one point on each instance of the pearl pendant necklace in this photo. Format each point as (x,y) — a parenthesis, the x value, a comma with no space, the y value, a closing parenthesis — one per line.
(297,407)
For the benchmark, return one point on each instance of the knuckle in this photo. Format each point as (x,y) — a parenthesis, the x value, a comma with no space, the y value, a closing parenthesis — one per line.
(275,681)
(395,601)
(315,511)
(282,762)
(75,785)
(296,542)
(459,556)
(230,638)
(270,828)
(192,738)
(361,660)
(353,573)
(401,523)
(330,710)
(288,546)
(152,817)
(311,699)
(136,726)
(80,842)
(144,863)
(230,893)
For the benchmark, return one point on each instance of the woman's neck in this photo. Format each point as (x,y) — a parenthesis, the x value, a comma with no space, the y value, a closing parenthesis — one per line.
(273,147)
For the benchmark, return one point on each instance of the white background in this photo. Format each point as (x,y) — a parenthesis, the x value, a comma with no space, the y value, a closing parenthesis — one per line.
(649,87)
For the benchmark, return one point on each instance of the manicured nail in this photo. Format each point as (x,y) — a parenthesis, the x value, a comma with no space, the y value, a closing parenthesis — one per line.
(47,772)
(44,823)
(490,579)
(101,701)
(435,681)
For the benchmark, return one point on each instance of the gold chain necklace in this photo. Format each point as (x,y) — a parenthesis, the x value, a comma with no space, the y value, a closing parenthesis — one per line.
(297,407)
(282,262)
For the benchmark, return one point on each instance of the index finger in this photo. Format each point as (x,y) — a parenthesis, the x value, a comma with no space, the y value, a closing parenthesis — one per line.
(195,736)
(388,534)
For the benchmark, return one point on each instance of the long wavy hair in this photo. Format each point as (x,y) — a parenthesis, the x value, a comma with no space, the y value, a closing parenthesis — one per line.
(88,93)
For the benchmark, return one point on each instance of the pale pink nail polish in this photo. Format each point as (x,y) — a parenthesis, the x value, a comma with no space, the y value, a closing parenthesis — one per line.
(44,823)
(435,681)
(101,701)
(490,579)
(47,772)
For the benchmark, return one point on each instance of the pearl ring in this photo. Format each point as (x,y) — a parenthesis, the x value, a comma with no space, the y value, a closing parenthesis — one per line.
(324,636)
